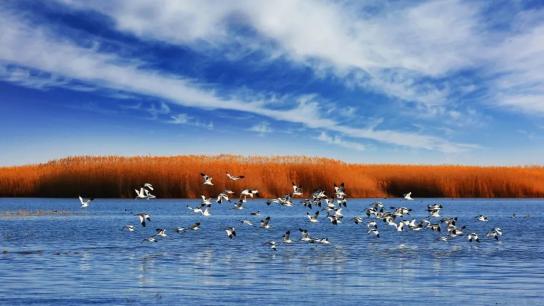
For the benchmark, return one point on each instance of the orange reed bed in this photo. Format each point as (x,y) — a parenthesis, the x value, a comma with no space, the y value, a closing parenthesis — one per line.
(179,176)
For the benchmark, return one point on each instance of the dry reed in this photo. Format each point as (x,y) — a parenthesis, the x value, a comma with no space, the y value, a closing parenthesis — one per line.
(179,176)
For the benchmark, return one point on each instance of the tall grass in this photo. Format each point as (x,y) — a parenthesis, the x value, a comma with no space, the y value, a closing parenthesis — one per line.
(179,176)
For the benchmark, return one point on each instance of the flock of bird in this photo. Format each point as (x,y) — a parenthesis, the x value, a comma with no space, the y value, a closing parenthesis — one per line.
(375,215)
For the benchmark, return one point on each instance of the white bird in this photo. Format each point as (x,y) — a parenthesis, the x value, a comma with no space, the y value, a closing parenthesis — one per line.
(206,212)
(141,194)
(223,196)
(207,180)
(482,218)
(231,232)
(239,205)
(246,222)
(160,232)
(330,204)
(455,232)
(265,223)
(340,191)
(195,227)
(273,245)
(304,235)
(284,201)
(335,219)
(143,217)
(495,233)
(129,227)
(319,194)
(357,219)
(180,230)
(408,196)
(375,232)
(434,227)
(206,201)
(286,237)
(196,210)
(297,190)
(473,237)
(313,218)
(151,239)
(85,202)
(342,202)
(148,194)
(249,192)
(434,213)
(234,177)
(323,241)
(203,209)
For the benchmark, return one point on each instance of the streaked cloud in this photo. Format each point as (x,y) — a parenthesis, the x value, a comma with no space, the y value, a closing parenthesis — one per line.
(409,51)
(336,140)
(24,45)
(261,128)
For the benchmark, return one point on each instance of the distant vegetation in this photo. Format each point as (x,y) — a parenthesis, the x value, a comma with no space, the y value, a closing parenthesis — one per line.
(179,176)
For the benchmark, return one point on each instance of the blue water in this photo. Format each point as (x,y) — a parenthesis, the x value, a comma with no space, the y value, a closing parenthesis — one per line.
(86,257)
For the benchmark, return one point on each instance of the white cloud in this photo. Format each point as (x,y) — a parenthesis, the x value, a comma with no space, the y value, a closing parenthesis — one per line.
(518,82)
(336,140)
(32,79)
(398,50)
(179,119)
(156,111)
(32,47)
(185,119)
(261,128)
(393,49)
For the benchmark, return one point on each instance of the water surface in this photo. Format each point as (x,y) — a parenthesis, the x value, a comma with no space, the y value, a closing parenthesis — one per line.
(82,256)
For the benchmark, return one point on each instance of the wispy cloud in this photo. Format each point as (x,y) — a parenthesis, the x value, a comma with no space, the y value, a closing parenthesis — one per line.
(31,79)
(185,119)
(24,45)
(336,140)
(155,111)
(261,128)
(405,51)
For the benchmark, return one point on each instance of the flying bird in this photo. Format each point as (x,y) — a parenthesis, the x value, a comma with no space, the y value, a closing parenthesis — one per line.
(265,223)
(286,237)
(160,232)
(495,233)
(246,222)
(297,190)
(85,202)
(234,177)
(482,218)
(313,218)
(207,180)
(249,192)
(473,237)
(144,217)
(231,232)
(195,227)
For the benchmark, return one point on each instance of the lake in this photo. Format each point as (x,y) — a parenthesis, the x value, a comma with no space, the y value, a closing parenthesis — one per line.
(84,256)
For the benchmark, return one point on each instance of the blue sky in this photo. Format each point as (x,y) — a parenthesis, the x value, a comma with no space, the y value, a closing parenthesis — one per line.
(429,82)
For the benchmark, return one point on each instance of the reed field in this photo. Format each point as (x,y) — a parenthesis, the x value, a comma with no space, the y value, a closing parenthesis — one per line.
(179,177)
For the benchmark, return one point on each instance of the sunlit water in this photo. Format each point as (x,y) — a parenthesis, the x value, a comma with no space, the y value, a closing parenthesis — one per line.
(86,257)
